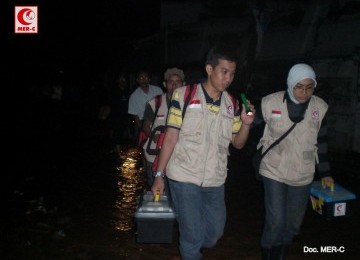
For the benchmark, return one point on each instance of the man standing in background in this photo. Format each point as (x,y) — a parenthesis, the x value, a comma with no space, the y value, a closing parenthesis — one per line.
(137,101)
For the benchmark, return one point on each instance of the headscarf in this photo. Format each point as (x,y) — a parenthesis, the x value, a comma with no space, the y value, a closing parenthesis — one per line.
(297,73)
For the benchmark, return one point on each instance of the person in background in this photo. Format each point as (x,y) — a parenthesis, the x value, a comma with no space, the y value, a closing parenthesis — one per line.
(287,171)
(119,118)
(173,78)
(142,94)
(195,152)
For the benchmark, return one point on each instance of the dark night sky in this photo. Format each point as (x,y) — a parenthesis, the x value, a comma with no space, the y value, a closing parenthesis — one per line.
(83,39)
(87,35)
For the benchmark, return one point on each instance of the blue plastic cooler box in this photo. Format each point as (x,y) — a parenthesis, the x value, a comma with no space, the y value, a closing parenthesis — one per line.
(331,202)
(154,219)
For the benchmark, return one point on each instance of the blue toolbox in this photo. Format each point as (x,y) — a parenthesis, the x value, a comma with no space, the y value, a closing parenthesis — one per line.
(155,218)
(331,200)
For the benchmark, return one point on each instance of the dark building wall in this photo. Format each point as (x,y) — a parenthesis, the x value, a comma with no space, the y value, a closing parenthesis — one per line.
(272,36)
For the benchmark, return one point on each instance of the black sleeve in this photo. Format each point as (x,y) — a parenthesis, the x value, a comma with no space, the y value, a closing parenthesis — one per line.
(323,167)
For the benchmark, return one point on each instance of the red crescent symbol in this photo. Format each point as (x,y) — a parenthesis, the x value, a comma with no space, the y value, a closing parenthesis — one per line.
(20,16)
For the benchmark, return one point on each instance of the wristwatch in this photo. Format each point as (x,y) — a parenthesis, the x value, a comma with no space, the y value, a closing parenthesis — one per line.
(159,174)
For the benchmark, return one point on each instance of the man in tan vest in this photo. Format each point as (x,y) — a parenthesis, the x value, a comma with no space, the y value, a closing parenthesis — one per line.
(155,114)
(195,150)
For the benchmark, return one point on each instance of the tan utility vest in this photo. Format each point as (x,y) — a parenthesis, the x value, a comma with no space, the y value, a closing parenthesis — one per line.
(293,160)
(160,119)
(201,153)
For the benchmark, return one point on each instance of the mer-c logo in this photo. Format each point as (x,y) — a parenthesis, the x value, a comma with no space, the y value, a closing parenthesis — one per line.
(26,19)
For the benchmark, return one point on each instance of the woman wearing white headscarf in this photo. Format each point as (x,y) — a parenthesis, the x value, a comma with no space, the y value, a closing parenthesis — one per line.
(288,169)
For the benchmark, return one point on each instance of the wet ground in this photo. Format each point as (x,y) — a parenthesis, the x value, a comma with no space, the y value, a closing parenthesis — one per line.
(68,196)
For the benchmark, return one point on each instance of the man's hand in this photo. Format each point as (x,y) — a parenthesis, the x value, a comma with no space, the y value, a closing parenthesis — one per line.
(245,118)
(158,185)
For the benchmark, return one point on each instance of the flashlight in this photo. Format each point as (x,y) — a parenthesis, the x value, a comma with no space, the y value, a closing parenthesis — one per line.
(246,104)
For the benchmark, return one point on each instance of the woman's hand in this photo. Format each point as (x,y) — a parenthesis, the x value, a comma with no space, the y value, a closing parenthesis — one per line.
(327,181)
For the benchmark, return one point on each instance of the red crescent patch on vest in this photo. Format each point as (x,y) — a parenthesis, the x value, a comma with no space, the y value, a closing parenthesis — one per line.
(230,109)
(315,114)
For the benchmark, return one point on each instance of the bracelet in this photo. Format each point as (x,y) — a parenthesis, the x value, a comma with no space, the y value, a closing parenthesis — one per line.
(159,174)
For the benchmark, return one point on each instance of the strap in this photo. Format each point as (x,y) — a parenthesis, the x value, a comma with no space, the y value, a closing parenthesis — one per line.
(159,129)
(158,100)
(278,140)
(189,93)
(235,103)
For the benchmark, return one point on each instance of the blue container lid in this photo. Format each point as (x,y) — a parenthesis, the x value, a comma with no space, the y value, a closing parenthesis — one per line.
(338,194)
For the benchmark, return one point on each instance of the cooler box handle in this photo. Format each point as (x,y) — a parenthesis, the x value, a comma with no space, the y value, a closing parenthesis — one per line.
(327,184)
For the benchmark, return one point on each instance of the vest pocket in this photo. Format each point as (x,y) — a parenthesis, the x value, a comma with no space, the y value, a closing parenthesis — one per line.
(192,128)
(187,156)
(276,127)
(308,165)
(227,124)
(221,168)
(273,158)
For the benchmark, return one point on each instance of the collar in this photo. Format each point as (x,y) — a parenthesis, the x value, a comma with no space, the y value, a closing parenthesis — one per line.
(209,99)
